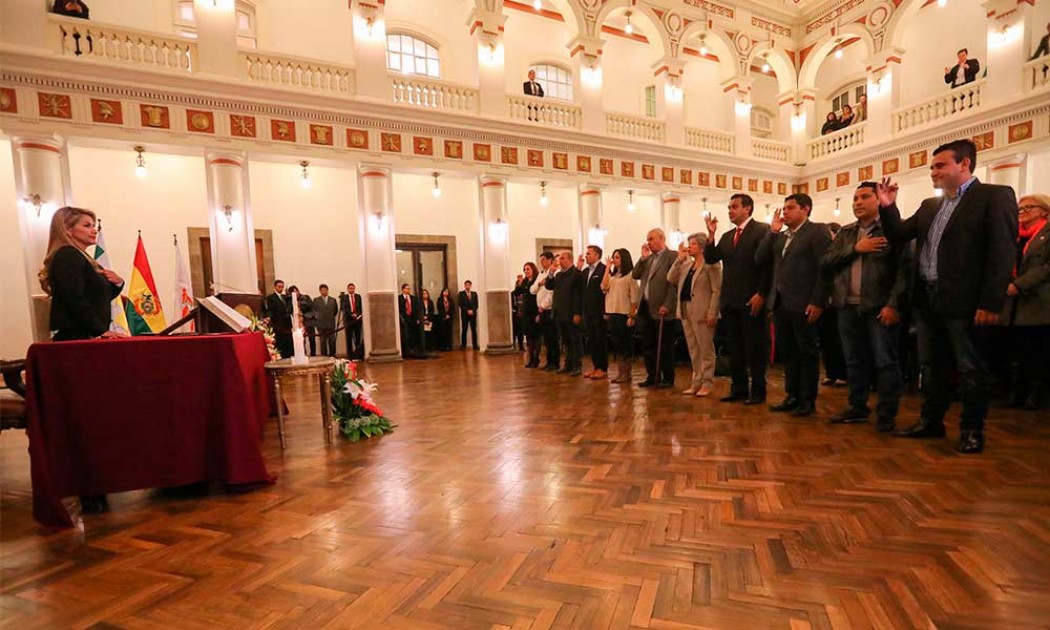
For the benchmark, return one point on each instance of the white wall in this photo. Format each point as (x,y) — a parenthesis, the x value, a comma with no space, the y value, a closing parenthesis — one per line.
(931,39)
(16,331)
(626,71)
(147,15)
(764,92)
(529,220)
(293,28)
(315,231)
(445,22)
(705,105)
(170,199)
(628,229)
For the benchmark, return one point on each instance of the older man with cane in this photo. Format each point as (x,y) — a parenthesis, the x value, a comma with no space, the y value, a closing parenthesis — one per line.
(659,299)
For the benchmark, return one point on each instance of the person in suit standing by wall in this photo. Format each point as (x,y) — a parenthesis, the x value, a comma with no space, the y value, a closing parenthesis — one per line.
(429,321)
(530,314)
(567,287)
(468,315)
(350,309)
(699,286)
(532,87)
(278,310)
(798,297)
(963,72)
(965,256)
(657,309)
(544,304)
(594,312)
(745,284)
(410,313)
(326,311)
(445,309)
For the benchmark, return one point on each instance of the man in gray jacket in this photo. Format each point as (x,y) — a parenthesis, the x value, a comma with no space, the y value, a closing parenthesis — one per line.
(657,309)
(326,309)
(866,274)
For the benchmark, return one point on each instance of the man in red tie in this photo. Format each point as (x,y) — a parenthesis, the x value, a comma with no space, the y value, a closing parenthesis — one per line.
(745,284)
(353,317)
(410,311)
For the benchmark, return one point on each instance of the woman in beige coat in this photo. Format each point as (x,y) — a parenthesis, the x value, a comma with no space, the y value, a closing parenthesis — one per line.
(699,286)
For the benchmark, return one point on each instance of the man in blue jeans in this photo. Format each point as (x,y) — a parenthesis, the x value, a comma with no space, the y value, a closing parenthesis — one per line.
(867,274)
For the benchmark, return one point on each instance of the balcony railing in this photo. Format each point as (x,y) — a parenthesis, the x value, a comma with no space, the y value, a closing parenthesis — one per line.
(836,141)
(120,45)
(544,111)
(958,101)
(295,73)
(635,127)
(1037,74)
(433,94)
(771,150)
(710,140)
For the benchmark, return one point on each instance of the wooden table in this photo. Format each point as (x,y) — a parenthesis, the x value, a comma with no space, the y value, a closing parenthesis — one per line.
(315,366)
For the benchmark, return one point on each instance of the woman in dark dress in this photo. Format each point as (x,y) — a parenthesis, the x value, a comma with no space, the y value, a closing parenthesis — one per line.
(445,309)
(530,312)
(430,329)
(81,291)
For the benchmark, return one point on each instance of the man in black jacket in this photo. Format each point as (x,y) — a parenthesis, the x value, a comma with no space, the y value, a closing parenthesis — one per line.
(410,312)
(278,309)
(745,284)
(963,72)
(867,275)
(798,297)
(468,315)
(965,254)
(353,313)
(594,311)
(567,285)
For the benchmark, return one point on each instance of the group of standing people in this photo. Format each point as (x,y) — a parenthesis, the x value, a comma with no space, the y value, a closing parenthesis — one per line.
(322,319)
(425,325)
(846,117)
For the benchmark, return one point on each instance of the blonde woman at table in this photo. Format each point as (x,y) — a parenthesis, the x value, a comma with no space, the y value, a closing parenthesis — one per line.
(81,291)
(699,287)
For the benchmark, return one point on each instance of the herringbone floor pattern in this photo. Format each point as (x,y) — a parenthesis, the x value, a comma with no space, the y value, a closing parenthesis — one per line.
(509,498)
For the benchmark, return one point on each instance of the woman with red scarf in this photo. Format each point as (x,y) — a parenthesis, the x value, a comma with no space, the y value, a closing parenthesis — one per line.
(1028,310)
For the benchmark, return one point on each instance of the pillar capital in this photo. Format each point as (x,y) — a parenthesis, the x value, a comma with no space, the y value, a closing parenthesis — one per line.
(586,47)
(671,67)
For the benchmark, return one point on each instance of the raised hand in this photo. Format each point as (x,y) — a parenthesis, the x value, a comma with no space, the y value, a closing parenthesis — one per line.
(777,223)
(887,192)
(871,244)
(646,252)
(712,225)
(682,253)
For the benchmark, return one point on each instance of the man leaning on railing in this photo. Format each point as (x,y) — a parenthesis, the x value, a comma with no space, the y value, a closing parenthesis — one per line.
(71,8)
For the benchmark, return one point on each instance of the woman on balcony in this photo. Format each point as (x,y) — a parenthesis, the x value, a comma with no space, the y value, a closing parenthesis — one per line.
(831,124)
(847,117)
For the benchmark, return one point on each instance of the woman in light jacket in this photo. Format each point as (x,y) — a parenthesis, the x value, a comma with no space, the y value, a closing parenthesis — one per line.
(699,286)
(621,305)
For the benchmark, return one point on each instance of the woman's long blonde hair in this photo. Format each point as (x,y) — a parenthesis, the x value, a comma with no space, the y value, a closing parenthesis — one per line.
(62,222)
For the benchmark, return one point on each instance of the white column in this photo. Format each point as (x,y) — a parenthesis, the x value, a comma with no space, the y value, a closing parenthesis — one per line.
(375,195)
(738,99)
(496,311)
(669,106)
(230,227)
(586,53)
(370,50)
(670,218)
(1010,171)
(884,93)
(216,23)
(487,29)
(591,217)
(40,181)
(1009,23)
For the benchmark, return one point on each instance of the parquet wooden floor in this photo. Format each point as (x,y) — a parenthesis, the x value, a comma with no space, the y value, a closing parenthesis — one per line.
(511,498)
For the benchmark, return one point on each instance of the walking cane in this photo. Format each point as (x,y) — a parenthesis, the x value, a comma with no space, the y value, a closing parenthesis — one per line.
(659,346)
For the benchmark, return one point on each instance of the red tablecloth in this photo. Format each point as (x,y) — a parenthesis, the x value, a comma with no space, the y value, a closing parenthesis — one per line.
(112,415)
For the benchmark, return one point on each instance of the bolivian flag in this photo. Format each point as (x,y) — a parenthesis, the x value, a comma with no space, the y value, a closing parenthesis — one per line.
(118,314)
(142,293)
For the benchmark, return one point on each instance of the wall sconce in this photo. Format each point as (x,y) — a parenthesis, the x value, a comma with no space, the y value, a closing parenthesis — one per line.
(838,49)
(703,45)
(673,91)
(765,62)
(544,200)
(379,216)
(769,215)
(437,187)
(306,175)
(942,3)
(591,73)
(490,52)
(499,229)
(798,119)
(35,201)
(537,5)
(629,28)
(743,106)
(630,201)
(140,162)
(367,24)
(227,211)
(837,211)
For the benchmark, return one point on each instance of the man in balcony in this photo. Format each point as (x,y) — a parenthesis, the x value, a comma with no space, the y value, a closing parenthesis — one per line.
(71,8)
(962,73)
(532,87)
(965,254)
(1044,46)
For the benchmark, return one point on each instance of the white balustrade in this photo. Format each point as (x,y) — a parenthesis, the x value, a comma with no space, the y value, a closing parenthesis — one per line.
(117,44)
(544,111)
(296,73)
(955,102)
(433,94)
(635,127)
(1037,74)
(836,141)
(771,150)
(710,140)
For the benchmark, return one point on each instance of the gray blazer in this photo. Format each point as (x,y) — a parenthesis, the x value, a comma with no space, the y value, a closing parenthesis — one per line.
(704,295)
(1033,281)
(326,313)
(661,292)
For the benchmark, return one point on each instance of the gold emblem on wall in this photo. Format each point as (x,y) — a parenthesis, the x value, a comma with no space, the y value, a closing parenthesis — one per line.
(422,145)
(767,187)
(738,183)
(865,173)
(8,100)
(605,166)
(842,179)
(390,142)
(242,126)
(108,112)
(891,166)
(454,149)
(508,155)
(1019,132)
(648,171)
(483,152)
(752,185)
(535,158)
(915,160)
(55,105)
(703,178)
(802,188)
(822,184)
(627,169)
(685,176)
(561,161)
(985,141)
(155,116)
(667,174)
(782,188)
(200,121)
(583,163)
(720,181)
(321,135)
(283,130)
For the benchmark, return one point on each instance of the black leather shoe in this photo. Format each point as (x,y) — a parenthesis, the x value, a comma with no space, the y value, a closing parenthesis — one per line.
(551,367)
(885,425)
(755,400)
(970,443)
(851,416)
(664,385)
(788,404)
(804,410)
(564,370)
(575,372)
(922,429)
(647,383)
(733,398)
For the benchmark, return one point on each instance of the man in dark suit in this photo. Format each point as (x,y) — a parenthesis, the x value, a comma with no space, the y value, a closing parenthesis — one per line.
(71,8)
(745,284)
(963,72)
(657,309)
(567,285)
(532,87)
(1043,48)
(594,311)
(410,311)
(797,298)
(326,311)
(353,314)
(966,251)
(278,310)
(468,315)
